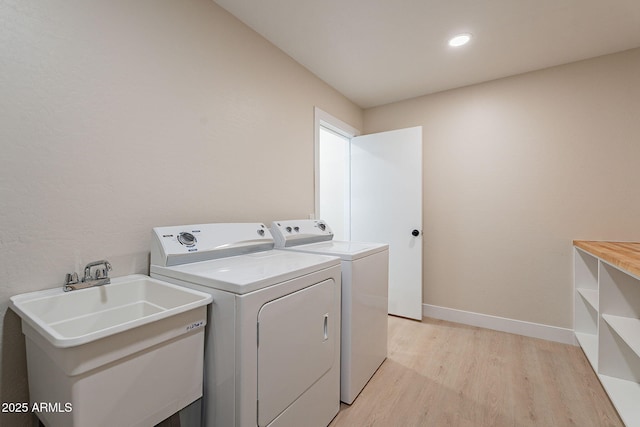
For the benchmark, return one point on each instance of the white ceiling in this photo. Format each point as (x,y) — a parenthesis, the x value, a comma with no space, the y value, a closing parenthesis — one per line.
(380,51)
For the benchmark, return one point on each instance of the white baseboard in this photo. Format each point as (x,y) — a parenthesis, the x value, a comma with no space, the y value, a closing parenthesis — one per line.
(528,329)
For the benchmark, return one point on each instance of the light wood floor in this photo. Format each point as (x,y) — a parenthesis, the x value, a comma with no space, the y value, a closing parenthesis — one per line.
(446,374)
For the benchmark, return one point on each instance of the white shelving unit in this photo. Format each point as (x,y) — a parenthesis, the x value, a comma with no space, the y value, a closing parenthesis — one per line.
(607,326)
(586,304)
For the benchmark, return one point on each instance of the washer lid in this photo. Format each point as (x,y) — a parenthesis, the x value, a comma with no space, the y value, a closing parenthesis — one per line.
(242,274)
(347,251)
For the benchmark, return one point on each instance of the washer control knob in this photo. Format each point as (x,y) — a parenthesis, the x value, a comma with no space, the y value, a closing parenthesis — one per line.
(288,229)
(187,239)
(296,229)
(261,232)
(321,226)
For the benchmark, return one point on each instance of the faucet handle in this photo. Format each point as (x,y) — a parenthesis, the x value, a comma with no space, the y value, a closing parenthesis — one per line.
(104,273)
(71,278)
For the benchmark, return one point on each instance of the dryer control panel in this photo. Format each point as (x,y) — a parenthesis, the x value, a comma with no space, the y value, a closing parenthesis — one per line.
(184,244)
(300,232)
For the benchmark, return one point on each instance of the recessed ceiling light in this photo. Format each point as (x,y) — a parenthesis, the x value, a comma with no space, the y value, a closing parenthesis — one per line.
(460,39)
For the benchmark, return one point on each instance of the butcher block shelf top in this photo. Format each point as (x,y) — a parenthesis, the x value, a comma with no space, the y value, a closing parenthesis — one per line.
(624,255)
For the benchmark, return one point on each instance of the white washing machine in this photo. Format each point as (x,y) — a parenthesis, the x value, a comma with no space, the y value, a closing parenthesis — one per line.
(272,346)
(365,290)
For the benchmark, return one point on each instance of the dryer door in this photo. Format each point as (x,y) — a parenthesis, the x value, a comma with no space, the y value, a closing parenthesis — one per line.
(295,346)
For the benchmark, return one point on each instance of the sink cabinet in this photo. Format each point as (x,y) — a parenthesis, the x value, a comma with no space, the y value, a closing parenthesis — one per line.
(126,354)
(607,319)
(139,389)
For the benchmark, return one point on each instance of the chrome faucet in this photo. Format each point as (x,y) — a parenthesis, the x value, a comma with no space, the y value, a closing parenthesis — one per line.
(100,278)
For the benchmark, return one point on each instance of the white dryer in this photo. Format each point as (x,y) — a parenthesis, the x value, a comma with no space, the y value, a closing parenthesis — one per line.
(365,284)
(272,346)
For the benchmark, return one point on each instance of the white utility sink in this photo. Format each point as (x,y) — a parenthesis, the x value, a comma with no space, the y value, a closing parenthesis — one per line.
(129,353)
(68,319)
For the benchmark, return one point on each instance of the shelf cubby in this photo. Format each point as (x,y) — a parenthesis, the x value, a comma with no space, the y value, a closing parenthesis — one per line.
(586,303)
(590,296)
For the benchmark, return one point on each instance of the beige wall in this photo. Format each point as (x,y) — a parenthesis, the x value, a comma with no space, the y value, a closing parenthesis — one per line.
(118,116)
(514,170)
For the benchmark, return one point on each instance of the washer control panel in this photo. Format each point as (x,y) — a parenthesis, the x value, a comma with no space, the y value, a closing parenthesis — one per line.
(191,243)
(299,232)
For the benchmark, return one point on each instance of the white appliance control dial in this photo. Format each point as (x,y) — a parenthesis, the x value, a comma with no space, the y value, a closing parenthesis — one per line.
(187,239)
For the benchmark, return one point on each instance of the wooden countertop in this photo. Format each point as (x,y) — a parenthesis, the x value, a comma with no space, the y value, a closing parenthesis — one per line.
(624,255)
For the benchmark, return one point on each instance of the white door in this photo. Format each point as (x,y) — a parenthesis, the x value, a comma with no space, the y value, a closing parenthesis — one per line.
(386,207)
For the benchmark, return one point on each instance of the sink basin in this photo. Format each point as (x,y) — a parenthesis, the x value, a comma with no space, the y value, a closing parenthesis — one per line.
(68,319)
(127,353)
